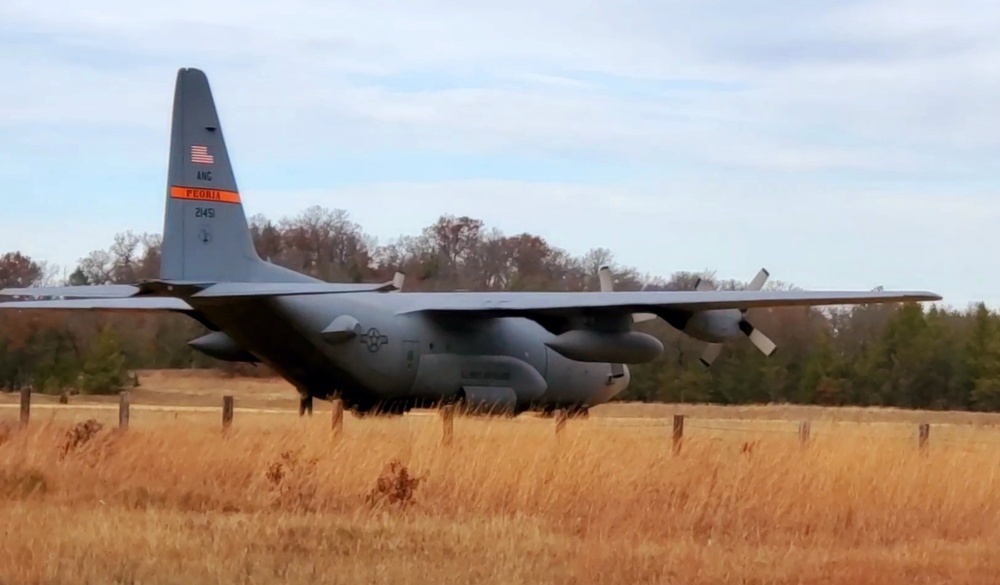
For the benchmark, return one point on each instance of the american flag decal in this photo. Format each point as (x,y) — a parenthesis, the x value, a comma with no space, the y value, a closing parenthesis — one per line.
(199,154)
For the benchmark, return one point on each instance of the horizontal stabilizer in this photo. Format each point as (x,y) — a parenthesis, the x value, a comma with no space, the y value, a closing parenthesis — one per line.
(96,291)
(161,288)
(129,304)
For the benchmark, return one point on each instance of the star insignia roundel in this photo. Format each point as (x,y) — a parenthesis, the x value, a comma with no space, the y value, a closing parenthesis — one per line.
(374,340)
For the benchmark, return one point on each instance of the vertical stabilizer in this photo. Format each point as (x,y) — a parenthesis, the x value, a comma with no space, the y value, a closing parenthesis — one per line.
(205,233)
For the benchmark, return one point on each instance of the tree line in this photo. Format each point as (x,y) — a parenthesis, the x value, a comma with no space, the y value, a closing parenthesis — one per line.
(891,355)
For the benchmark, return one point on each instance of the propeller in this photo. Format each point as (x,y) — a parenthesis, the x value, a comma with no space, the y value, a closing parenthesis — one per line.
(761,341)
(607,285)
(604,274)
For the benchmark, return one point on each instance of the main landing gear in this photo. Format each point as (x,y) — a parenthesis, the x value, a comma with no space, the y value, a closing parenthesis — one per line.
(306,405)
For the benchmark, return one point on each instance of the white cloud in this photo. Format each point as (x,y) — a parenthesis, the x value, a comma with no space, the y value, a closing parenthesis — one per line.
(282,68)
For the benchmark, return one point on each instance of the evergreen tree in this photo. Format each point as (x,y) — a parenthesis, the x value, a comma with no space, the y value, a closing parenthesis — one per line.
(980,374)
(104,370)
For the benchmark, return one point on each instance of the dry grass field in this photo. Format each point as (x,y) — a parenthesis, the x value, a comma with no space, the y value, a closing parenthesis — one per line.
(279,499)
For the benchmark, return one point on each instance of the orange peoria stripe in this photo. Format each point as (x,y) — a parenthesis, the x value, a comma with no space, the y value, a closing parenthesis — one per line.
(199,194)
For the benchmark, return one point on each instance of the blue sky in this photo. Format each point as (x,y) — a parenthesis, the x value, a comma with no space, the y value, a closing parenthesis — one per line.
(840,144)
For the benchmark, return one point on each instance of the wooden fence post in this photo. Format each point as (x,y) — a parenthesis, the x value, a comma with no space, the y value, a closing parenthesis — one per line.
(678,435)
(561,417)
(25,405)
(227,412)
(925,431)
(123,409)
(448,421)
(337,420)
(804,432)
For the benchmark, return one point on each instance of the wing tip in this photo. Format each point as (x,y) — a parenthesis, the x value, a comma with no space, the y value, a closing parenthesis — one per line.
(920,295)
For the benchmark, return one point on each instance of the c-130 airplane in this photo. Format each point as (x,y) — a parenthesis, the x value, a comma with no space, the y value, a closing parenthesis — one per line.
(386,353)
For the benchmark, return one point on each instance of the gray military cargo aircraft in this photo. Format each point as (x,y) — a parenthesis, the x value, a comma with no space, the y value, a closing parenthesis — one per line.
(387,353)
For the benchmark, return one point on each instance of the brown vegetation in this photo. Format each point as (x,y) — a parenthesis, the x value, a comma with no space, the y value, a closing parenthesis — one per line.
(278,499)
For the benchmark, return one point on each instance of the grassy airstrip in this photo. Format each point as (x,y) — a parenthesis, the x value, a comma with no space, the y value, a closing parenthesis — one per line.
(279,499)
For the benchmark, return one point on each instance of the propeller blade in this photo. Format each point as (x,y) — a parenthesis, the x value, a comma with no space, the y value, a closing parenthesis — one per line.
(604,274)
(607,285)
(397,281)
(712,351)
(758,281)
(763,343)
(643,317)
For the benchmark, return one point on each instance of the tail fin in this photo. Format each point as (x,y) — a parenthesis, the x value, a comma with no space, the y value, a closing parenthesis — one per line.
(205,231)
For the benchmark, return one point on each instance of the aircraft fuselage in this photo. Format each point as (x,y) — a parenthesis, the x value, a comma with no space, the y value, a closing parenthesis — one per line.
(359,347)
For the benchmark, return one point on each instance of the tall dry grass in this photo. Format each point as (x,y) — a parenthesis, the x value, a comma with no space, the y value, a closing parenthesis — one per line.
(280,501)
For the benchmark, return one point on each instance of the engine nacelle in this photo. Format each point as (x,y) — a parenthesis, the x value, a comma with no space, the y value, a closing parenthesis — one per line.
(222,347)
(624,347)
(715,326)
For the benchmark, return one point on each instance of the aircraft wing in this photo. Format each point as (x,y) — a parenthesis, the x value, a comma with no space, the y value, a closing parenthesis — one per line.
(524,304)
(497,304)
(261,289)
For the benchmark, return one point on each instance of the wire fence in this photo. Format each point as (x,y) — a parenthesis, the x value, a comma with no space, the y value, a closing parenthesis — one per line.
(678,426)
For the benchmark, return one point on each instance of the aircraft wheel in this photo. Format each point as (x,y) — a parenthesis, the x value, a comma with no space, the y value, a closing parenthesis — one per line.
(306,405)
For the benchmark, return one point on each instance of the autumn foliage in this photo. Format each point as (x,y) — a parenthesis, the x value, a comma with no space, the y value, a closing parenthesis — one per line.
(870,355)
